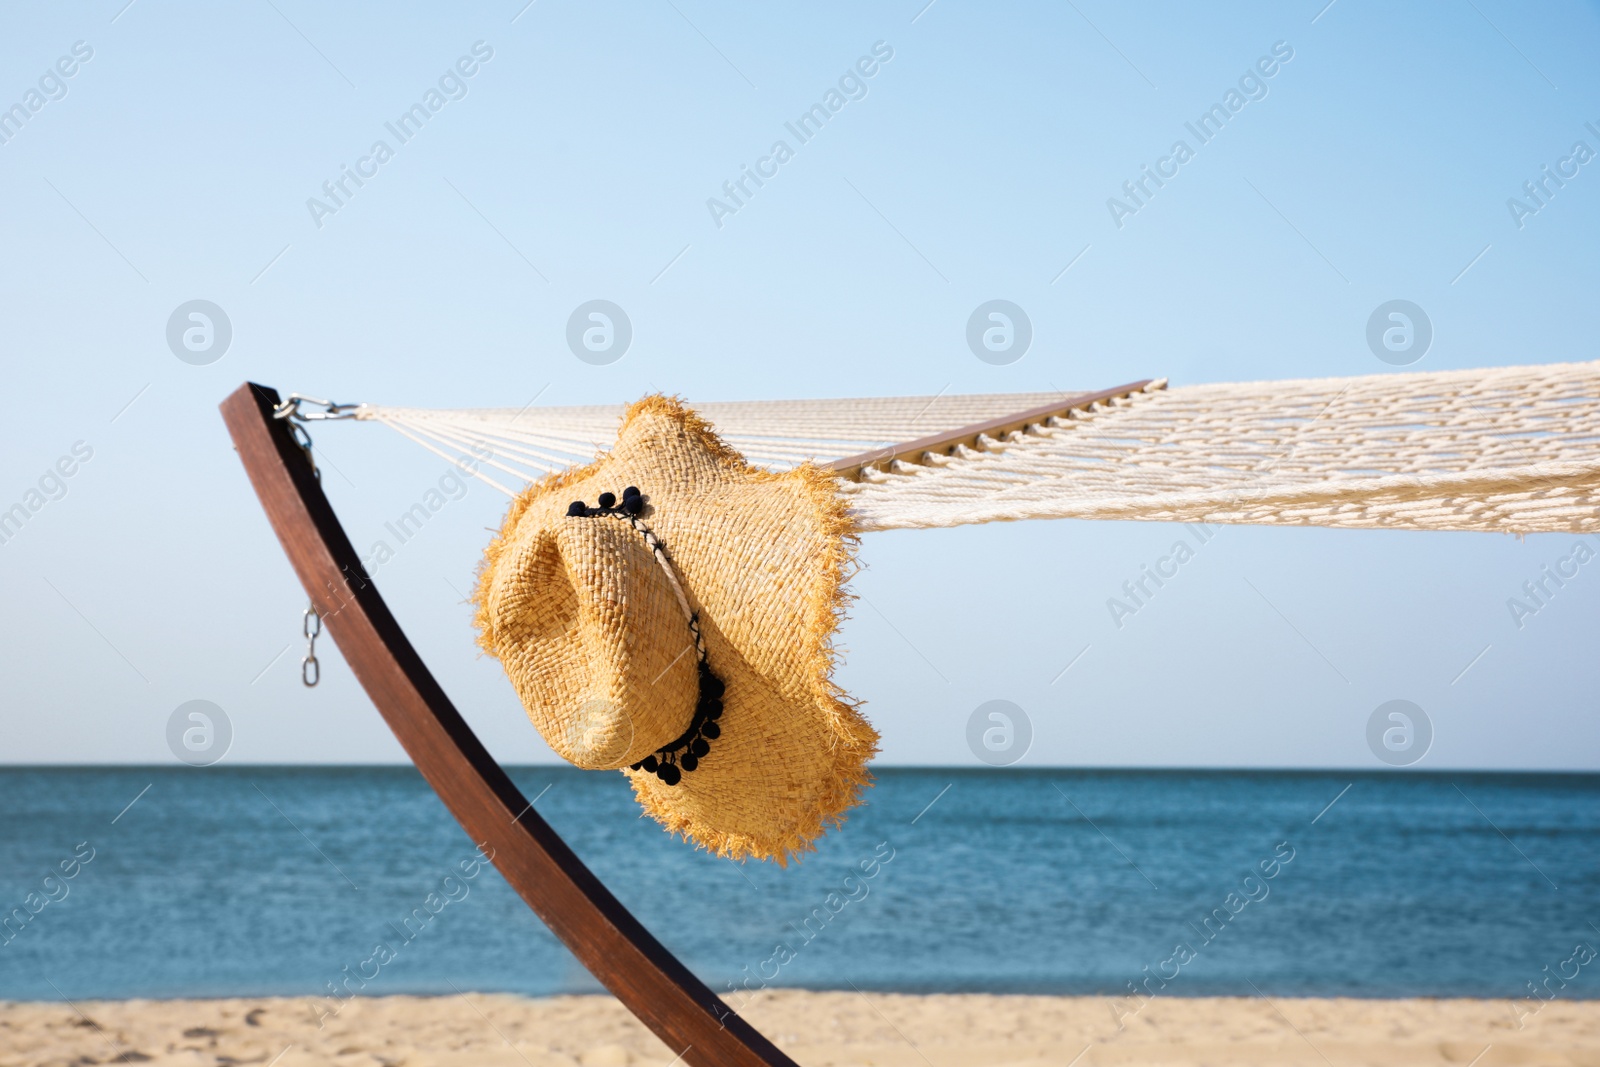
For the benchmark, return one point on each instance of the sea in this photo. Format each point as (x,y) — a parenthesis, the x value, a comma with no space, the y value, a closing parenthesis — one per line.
(188,882)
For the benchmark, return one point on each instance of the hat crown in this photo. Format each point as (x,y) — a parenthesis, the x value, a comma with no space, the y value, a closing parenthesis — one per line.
(593,638)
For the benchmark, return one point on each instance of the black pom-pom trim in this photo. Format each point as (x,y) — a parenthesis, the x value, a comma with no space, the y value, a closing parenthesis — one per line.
(672,761)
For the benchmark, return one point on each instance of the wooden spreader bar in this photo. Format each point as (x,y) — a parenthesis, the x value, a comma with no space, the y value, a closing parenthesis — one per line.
(946,442)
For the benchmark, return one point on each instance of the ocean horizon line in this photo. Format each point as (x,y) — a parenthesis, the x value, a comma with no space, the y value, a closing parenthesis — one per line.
(558,766)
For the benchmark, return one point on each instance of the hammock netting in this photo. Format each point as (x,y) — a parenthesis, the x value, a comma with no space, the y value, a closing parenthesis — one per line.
(1511,449)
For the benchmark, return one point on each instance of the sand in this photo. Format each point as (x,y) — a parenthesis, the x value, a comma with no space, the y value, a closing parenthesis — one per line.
(816,1029)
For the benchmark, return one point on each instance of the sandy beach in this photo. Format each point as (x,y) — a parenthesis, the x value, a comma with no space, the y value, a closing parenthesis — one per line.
(816,1029)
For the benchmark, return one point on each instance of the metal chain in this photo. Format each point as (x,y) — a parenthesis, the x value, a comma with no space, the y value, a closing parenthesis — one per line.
(311,626)
(292,409)
(302,437)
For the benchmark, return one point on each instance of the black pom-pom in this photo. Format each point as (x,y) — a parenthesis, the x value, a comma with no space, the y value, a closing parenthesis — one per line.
(689,761)
(713,709)
(649,764)
(608,500)
(710,730)
(670,774)
(632,490)
(576,508)
(710,684)
(633,505)
(697,748)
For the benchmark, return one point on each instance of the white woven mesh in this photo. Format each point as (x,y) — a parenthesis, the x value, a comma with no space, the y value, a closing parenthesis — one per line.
(1513,449)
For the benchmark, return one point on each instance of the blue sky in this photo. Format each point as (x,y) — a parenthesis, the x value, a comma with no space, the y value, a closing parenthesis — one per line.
(576,162)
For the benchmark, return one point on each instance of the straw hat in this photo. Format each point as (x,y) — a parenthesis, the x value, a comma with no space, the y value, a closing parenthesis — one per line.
(668,611)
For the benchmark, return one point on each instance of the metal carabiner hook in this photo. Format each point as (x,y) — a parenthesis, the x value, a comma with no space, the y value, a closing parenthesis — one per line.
(293,407)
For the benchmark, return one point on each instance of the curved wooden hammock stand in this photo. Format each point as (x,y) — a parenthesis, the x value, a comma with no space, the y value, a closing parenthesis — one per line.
(593,924)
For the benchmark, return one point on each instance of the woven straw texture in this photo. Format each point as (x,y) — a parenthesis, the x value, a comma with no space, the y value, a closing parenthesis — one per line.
(589,630)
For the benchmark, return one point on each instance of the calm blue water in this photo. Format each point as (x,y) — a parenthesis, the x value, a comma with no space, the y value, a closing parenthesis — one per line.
(272,880)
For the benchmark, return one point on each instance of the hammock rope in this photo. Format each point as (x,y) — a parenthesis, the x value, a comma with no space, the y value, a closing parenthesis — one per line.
(1511,449)
(770,433)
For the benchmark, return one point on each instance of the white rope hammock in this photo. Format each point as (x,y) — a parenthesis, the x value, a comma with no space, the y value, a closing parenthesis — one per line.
(1513,449)
(533,442)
